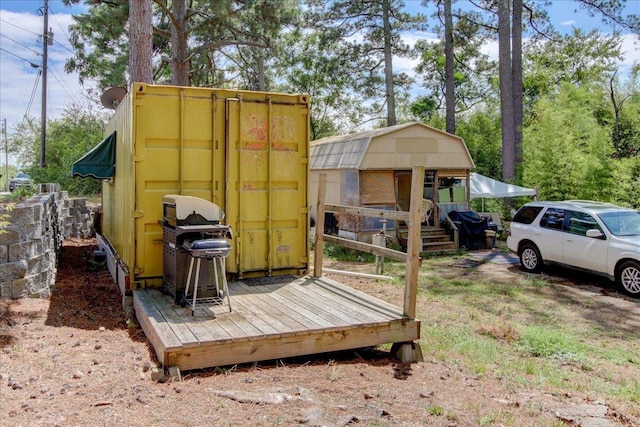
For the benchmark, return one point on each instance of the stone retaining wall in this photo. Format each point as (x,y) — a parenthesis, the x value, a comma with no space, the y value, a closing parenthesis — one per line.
(32,239)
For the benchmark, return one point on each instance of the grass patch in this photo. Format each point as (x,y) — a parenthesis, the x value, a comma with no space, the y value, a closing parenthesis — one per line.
(541,341)
(339,253)
(528,331)
(436,410)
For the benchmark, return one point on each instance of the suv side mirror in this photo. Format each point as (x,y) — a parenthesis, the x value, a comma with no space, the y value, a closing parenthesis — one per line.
(595,233)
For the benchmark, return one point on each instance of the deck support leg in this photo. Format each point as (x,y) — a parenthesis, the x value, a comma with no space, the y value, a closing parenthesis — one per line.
(174,373)
(407,352)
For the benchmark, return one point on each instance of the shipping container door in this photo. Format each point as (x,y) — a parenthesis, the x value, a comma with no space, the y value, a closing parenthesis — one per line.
(267,179)
(175,153)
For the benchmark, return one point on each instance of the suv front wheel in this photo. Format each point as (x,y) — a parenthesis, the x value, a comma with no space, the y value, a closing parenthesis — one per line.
(629,278)
(530,258)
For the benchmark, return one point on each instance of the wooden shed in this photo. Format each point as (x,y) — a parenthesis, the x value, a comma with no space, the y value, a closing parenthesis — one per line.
(373,169)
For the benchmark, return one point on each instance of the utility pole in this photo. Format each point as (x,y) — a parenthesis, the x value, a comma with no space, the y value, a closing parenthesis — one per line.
(6,155)
(47,39)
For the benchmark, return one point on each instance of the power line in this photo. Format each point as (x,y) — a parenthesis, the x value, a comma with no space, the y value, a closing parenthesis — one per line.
(33,93)
(63,32)
(19,57)
(58,76)
(18,26)
(23,45)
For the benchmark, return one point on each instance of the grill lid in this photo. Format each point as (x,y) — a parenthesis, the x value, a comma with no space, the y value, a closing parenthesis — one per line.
(214,247)
(182,207)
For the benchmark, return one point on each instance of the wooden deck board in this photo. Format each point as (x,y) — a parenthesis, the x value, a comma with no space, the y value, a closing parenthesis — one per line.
(364,300)
(272,306)
(298,317)
(188,328)
(305,318)
(338,316)
(241,323)
(152,319)
(347,303)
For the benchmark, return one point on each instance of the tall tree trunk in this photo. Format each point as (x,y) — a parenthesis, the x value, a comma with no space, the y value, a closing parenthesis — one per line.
(261,81)
(140,32)
(449,92)
(506,90)
(617,107)
(518,91)
(388,65)
(179,53)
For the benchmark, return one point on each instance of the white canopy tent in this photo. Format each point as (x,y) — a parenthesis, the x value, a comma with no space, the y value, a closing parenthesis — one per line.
(484,187)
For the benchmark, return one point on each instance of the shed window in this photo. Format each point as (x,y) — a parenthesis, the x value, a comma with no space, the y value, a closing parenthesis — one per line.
(377,188)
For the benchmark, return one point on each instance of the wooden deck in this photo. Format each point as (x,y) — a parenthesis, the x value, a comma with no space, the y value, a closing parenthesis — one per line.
(270,318)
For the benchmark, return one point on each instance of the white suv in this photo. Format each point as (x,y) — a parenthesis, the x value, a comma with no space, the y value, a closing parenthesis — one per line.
(597,237)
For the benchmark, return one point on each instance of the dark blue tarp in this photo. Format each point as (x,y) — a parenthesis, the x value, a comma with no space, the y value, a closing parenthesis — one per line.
(471,227)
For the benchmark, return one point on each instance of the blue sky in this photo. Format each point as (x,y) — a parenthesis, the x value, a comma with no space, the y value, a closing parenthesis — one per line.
(20,26)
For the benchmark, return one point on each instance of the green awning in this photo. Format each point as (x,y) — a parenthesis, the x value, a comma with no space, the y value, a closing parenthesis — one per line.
(99,162)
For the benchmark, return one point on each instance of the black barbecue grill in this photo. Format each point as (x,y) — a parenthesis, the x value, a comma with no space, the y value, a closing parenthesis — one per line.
(192,233)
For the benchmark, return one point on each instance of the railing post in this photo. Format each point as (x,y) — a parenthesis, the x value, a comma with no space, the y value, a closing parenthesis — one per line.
(319,242)
(414,244)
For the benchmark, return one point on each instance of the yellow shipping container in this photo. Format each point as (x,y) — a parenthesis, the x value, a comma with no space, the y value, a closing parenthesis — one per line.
(245,151)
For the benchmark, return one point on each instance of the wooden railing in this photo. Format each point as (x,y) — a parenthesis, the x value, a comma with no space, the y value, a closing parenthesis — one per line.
(414,244)
(454,227)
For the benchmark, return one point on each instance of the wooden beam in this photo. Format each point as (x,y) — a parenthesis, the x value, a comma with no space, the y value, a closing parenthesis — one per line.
(319,243)
(414,242)
(365,247)
(356,274)
(368,212)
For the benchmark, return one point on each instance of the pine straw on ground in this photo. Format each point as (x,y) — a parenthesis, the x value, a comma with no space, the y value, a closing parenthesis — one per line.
(74,360)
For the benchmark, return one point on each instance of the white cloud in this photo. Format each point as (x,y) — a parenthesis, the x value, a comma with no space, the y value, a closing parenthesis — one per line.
(20,84)
(631,51)
(569,23)
(411,38)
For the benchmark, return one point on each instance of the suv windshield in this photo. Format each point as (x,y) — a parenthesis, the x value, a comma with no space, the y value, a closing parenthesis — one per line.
(622,223)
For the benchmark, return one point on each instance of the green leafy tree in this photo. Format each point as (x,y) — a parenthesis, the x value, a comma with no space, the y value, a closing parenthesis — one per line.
(626,178)
(473,74)
(245,46)
(68,139)
(25,142)
(100,42)
(625,101)
(481,133)
(577,58)
(613,12)
(308,65)
(199,42)
(567,152)
(368,35)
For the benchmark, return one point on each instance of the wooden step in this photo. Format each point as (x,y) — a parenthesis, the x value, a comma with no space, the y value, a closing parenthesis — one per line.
(435,240)
(437,247)
(426,231)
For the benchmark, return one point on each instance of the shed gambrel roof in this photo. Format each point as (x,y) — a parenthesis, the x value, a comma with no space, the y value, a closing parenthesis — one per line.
(348,151)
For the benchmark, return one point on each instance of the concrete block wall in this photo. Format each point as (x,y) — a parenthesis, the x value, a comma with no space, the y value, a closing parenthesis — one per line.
(32,239)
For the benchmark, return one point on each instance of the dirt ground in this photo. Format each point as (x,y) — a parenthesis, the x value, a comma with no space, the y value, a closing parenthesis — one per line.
(74,360)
